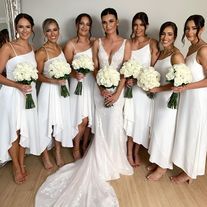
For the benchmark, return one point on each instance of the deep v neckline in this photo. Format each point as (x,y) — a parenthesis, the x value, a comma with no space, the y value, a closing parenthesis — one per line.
(110,56)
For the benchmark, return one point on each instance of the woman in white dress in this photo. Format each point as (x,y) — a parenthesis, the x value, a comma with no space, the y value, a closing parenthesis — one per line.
(164,118)
(82,106)
(145,52)
(53,109)
(19,126)
(83,183)
(189,152)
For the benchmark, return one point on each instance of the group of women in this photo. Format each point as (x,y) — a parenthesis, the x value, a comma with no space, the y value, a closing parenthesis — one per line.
(171,136)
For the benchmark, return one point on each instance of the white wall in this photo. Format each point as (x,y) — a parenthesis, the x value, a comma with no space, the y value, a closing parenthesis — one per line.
(3,24)
(159,11)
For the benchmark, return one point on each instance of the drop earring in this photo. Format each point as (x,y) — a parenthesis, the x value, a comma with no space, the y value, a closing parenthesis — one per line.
(16,35)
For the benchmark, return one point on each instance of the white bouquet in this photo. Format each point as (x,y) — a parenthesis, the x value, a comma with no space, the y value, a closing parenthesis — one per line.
(108,78)
(178,75)
(131,70)
(60,69)
(148,79)
(82,64)
(26,73)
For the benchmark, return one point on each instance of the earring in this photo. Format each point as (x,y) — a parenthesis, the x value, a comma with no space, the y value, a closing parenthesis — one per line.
(16,35)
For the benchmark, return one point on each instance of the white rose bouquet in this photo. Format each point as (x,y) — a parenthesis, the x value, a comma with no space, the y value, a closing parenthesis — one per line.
(60,69)
(131,70)
(148,79)
(26,73)
(108,78)
(82,64)
(178,75)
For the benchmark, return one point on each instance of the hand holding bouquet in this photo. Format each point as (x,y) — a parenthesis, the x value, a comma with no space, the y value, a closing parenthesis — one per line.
(59,69)
(26,73)
(148,78)
(131,70)
(108,78)
(82,64)
(178,75)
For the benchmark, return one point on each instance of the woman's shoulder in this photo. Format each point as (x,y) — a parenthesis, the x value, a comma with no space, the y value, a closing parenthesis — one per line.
(202,50)
(153,43)
(177,56)
(6,47)
(41,53)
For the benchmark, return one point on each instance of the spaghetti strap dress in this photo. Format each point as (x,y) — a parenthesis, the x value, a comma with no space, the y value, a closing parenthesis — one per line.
(82,106)
(14,116)
(54,113)
(189,151)
(138,110)
(163,122)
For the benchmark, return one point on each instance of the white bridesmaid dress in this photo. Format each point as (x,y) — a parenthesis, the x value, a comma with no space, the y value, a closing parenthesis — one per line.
(54,113)
(82,105)
(14,116)
(138,110)
(83,183)
(163,122)
(189,152)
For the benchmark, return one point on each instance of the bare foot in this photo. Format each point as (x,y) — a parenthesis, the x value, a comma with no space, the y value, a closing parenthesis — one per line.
(24,171)
(137,160)
(59,159)
(18,177)
(157,174)
(181,178)
(47,163)
(131,160)
(151,167)
(76,153)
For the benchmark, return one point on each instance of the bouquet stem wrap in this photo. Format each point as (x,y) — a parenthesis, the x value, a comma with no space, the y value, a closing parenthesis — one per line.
(79,88)
(64,91)
(29,101)
(128,92)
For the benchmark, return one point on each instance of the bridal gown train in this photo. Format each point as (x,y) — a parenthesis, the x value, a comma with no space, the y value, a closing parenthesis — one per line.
(83,183)
(13,114)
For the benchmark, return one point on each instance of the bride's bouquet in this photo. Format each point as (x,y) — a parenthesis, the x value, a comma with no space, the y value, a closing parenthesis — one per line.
(178,75)
(131,70)
(26,73)
(148,78)
(82,64)
(60,69)
(108,78)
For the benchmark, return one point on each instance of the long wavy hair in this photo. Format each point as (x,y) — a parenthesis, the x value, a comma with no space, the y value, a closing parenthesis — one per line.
(141,16)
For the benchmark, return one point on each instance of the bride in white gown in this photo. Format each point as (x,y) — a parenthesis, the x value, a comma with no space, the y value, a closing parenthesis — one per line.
(83,183)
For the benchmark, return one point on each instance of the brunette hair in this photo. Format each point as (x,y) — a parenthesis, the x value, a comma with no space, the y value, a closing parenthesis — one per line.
(199,23)
(110,11)
(141,16)
(169,24)
(25,16)
(4,37)
(78,20)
